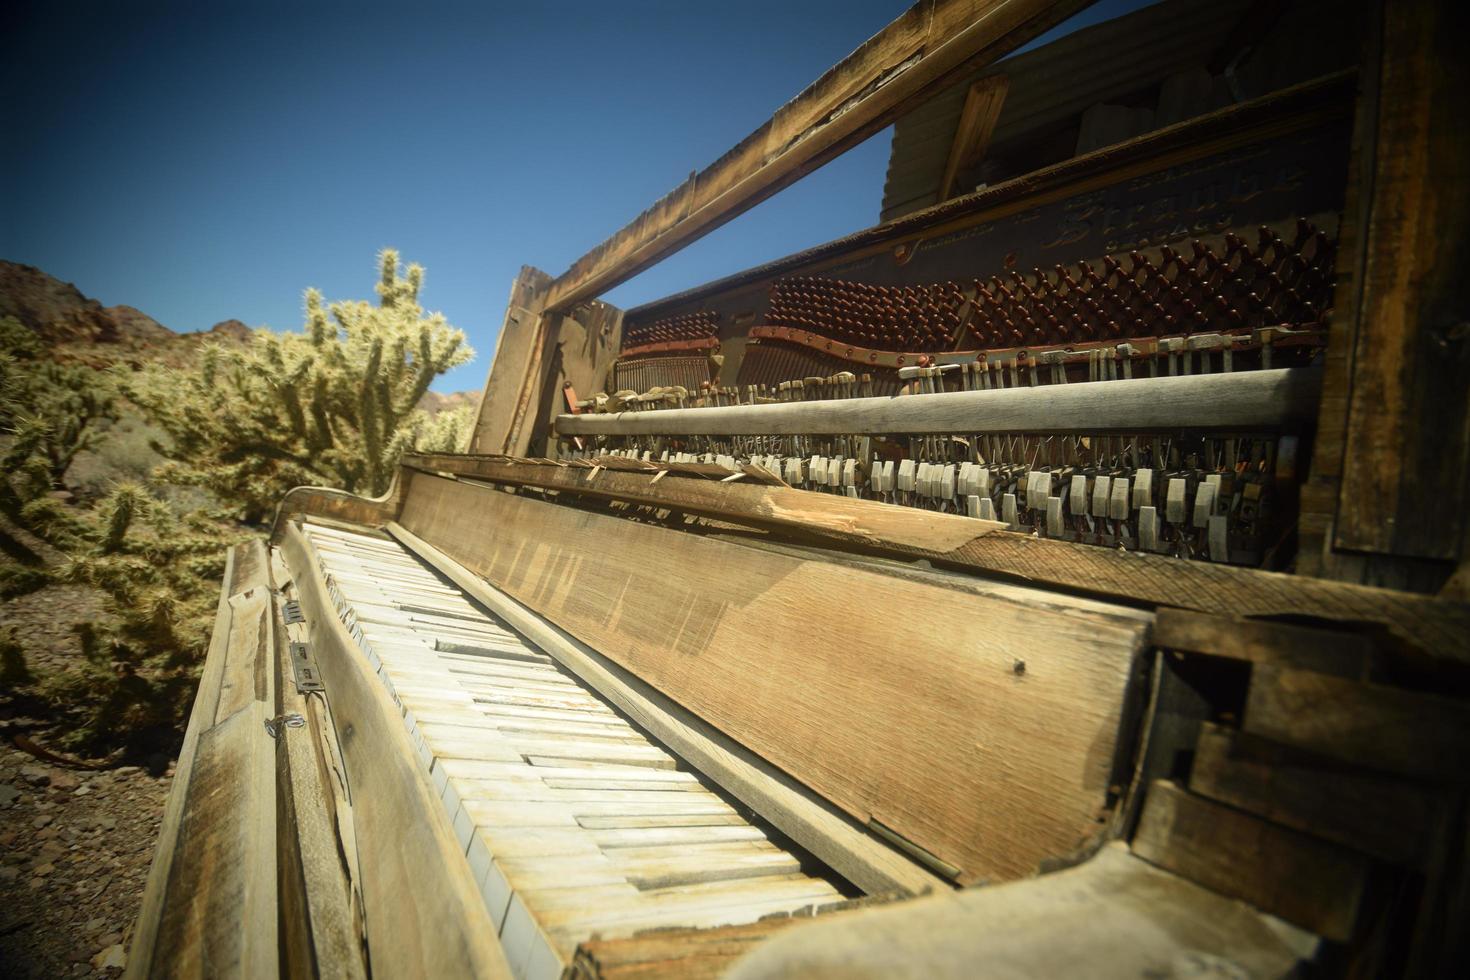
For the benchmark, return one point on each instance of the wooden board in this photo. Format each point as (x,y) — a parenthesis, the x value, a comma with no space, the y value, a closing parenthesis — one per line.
(580,348)
(420,903)
(978,117)
(1420,623)
(1406,447)
(685,954)
(1305,881)
(319,921)
(1325,651)
(980,729)
(209,908)
(1114,916)
(518,343)
(1255,122)
(927,47)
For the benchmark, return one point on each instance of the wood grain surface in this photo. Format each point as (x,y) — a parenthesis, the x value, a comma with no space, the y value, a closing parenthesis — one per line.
(980,729)
(209,908)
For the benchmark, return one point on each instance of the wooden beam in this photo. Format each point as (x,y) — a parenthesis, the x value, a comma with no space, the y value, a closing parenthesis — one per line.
(421,906)
(579,349)
(1392,819)
(866,523)
(1274,117)
(674,954)
(518,348)
(1371,725)
(1305,881)
(1326,651)
(815,825)
(1406,448)
(319,928)
(1422,624)
(927,47)
(981,112)
(1282,398)
(979,729)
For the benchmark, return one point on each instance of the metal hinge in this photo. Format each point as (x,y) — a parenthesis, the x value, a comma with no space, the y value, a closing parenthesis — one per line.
(307,678)
(291,613)
(274,725)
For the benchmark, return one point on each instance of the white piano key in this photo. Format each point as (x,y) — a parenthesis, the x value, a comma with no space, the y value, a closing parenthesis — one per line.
(1118,501)
(1102,488)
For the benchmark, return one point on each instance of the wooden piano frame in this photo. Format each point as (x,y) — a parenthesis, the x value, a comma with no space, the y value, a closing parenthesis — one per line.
(1011,753)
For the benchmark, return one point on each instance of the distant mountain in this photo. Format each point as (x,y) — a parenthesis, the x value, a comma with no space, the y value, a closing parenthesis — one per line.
(61,314)
(435,402)
(79,328)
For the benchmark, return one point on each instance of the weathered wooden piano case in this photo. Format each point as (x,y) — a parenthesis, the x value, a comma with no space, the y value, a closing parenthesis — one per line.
(1064,576)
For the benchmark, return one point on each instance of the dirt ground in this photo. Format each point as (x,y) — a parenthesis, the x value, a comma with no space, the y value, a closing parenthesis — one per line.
(75,843)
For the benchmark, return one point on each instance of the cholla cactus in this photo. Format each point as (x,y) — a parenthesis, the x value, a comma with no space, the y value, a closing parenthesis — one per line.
(333,405)
(159,572)
(49,411)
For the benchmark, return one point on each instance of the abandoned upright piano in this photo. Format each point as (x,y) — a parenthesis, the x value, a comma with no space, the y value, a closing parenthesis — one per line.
(1062,576)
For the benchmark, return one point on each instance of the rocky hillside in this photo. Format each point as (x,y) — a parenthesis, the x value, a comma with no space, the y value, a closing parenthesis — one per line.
(80,328)
(62,314)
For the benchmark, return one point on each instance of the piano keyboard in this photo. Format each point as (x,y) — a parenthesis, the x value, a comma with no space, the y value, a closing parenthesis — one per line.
(574,822)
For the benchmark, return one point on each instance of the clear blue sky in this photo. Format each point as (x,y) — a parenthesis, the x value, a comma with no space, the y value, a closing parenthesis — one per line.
(206,161)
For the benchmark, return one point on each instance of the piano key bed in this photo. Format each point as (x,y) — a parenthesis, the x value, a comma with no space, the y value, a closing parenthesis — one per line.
(574,822)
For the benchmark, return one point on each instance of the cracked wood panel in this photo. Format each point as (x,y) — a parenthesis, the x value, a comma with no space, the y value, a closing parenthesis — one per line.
(983,730)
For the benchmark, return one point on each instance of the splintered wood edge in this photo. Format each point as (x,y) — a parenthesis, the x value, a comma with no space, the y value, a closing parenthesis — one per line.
(1428,625)
(867,522)
(1113,915)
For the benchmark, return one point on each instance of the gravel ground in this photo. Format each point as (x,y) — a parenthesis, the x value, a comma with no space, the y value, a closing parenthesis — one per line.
(76,846)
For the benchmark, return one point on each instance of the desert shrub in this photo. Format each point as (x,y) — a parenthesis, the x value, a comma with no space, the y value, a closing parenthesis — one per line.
(155,567)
